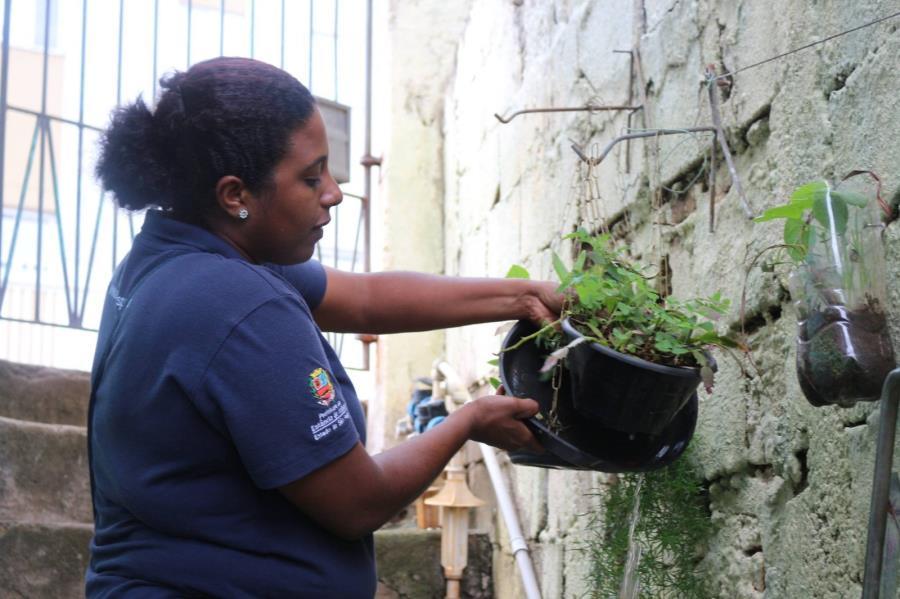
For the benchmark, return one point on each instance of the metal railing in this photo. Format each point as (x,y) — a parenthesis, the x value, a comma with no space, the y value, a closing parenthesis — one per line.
(60,236)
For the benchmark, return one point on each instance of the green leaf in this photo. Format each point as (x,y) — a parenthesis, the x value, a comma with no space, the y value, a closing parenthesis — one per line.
(664,342)
(517,272)
(796,234)
(714,339)
(700,357)
(807,193)
(852,198)
(494,362)
(621,336)
(559,267)
(495,382)
(624,310)
(595,330)
(810,237)
(831,209)
(801,200)
(579,263)
(789,211)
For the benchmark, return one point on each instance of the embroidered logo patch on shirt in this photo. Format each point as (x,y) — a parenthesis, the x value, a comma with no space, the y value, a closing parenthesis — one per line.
(321,386)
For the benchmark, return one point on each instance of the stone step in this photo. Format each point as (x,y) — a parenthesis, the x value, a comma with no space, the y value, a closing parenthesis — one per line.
(409,564)
(44,394)
(43,473)
(43,560)
(49,560)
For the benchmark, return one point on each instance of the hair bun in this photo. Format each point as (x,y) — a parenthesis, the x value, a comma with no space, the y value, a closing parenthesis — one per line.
(130,164)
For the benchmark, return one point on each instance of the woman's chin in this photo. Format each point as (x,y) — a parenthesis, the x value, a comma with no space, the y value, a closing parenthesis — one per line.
(305,254)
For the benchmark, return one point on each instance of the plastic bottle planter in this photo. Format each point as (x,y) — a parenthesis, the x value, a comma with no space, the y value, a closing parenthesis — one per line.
(580,442)
(844,351)
(623,392)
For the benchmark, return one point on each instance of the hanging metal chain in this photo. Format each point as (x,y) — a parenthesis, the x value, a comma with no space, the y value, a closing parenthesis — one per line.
(589,203)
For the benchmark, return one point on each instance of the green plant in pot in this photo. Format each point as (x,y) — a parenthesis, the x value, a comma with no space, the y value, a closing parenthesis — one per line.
(832,239)
(634,358)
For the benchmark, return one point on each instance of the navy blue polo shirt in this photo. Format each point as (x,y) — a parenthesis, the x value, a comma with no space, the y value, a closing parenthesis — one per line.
(212,387)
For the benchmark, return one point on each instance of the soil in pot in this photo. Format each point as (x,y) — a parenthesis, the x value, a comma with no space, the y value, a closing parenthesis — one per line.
(843,356)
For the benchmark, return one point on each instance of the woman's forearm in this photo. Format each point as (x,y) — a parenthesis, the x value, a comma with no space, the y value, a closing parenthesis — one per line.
(385,483)
(396,302)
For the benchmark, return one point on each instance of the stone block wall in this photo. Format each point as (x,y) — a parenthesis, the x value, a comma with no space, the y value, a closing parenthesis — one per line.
(45,501)
(789,484)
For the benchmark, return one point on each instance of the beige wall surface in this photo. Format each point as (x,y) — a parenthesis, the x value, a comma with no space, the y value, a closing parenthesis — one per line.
(789,483)
(422,61)
(25,91)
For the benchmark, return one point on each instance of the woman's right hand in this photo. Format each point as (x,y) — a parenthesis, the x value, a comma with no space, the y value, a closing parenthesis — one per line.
(497,420)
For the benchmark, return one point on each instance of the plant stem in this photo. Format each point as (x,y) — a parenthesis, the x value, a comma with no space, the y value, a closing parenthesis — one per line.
(528,338)
(747,275)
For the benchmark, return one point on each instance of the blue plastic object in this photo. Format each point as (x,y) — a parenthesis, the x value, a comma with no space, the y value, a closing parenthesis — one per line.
(434,422)
(426,411)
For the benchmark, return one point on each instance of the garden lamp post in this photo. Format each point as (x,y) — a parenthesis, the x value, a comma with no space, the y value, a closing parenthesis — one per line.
(455,500)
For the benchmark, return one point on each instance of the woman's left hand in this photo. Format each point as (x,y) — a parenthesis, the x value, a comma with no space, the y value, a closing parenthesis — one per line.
(543,303)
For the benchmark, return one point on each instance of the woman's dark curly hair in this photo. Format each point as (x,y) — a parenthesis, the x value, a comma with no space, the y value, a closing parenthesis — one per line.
(225,116)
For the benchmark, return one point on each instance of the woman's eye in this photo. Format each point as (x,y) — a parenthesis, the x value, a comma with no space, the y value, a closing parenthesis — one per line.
(313,181)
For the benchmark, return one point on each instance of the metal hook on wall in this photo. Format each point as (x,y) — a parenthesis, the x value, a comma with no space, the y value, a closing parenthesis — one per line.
(588,108)
(637,135)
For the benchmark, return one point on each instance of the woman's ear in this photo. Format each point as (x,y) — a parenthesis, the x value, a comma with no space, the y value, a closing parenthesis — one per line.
(230,195)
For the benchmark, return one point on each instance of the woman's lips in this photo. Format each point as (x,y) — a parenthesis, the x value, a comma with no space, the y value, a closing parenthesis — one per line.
(319,230)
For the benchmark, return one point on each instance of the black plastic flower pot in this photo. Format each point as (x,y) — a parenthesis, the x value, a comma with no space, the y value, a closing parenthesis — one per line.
(574,441)
(624,392)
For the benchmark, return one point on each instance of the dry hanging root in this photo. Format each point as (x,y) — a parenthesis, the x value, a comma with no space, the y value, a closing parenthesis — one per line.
(553,414)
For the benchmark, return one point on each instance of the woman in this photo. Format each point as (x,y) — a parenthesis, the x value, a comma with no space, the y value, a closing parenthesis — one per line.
(226,439)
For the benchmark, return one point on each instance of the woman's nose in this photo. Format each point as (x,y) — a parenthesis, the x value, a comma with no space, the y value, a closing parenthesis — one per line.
(333,195)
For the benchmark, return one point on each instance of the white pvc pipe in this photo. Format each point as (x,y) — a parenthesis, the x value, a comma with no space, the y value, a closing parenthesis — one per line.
(517,540)
(510,517)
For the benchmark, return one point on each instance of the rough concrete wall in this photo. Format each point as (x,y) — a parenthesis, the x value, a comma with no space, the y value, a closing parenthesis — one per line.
(422,57)
(789,484)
